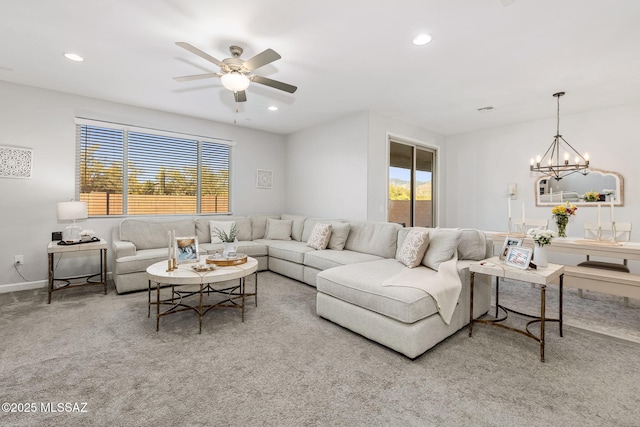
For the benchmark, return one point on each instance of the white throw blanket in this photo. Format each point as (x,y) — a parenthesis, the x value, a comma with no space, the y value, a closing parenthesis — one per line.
(444,288)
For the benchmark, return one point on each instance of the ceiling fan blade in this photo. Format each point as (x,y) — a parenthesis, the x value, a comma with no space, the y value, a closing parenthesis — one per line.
(261,59)
(240,96)
(200,53)
(274,83)
(196,77)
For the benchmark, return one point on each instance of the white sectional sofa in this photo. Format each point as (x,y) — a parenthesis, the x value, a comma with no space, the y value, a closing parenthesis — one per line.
(354,274)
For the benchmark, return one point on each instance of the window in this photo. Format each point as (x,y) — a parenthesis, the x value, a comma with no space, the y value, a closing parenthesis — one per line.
(411,173)
(122,170)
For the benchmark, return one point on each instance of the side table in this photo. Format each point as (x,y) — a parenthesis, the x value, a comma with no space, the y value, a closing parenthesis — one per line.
(54,248)
(541,277)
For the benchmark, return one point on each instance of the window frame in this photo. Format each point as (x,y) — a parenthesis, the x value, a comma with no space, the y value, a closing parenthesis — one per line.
(126,129)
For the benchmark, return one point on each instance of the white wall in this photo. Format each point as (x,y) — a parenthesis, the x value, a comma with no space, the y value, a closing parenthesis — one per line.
(481,164)
(340,169)
(327,169)
(44,121)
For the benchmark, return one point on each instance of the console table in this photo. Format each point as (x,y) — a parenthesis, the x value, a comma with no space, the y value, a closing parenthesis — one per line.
(54,248)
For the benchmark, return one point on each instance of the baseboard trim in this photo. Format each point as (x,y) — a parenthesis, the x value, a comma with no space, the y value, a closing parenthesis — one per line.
(25,286)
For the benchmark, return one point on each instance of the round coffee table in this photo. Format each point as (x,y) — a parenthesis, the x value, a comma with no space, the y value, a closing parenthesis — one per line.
(185,282)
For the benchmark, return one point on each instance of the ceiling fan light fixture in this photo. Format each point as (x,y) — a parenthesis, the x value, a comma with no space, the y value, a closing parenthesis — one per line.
(422,39)
(234,81)
(73,57)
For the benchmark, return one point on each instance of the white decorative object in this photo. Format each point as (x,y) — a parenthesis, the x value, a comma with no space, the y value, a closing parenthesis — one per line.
(540,256)
(230,248)
(16,162)
(264,178)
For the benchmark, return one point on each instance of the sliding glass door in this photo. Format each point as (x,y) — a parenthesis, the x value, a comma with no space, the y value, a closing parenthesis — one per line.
(411,184)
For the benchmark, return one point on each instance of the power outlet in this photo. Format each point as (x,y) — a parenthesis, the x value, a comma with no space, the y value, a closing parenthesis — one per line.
(19,260)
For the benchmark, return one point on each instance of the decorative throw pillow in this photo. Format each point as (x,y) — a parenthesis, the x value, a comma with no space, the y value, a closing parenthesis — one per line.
(339,234)
(473,245)
(278,229)
(224,226)
(320,236)
(413,249)
(443,243)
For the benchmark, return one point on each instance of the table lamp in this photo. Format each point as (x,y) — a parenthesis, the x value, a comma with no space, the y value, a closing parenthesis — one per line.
(71,211)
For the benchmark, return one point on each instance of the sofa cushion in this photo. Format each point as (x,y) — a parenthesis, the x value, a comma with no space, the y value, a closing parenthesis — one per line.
(320,236)
(220,227)
(413,248)
(259,225)
(309,223)
(443,243)
(473,245)
(289,250)
(332,258)
(375,238)
(149,234)
(297,225)
(339,234)
(361,285)
(278,229)
(203,229)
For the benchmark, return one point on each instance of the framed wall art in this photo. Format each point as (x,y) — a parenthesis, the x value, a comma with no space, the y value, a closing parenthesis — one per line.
(264,178)
(16,162)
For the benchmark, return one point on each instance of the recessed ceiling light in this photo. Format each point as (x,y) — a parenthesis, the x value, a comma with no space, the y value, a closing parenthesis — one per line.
(73,57)
(272,108)
(422,39)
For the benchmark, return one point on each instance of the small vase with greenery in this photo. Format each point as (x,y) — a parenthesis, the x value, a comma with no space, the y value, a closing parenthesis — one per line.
(228,240)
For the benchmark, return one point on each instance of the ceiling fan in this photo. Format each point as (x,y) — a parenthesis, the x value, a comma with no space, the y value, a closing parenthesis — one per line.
(236,73)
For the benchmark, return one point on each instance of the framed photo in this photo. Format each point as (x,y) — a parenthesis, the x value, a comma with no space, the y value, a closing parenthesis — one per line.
(519,257)
(186,249)
(508,242)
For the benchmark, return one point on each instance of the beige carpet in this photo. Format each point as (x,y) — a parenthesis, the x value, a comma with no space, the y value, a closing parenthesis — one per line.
(284,366)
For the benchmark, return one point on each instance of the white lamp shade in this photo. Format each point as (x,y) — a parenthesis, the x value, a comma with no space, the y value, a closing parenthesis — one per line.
(236,82)
(72,210)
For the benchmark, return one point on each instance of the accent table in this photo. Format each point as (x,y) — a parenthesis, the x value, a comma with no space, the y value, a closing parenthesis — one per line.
(54,248)
(540,277)
(202,282)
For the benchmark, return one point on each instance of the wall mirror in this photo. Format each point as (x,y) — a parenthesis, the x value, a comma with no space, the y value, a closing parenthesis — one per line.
(572,188)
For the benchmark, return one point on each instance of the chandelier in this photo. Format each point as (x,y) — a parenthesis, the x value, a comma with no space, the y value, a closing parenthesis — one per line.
(550,164)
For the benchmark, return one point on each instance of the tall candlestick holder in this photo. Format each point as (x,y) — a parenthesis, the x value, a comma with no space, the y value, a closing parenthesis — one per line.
(509,225)
(614,235)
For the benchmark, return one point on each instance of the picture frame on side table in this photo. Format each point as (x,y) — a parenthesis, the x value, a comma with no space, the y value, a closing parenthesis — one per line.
(508,242)
(186,249)
(519,257)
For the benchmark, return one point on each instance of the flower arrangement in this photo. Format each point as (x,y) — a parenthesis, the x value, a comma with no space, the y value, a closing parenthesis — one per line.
(541,237)
(591,196)
(227,238)
(561,213)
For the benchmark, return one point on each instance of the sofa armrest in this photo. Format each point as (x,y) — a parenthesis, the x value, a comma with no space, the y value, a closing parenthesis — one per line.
(122,249)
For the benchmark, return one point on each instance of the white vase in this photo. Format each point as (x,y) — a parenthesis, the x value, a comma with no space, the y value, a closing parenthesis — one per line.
(540,256)
(229,247)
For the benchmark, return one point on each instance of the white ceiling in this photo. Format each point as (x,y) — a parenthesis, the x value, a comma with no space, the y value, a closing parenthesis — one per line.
(344,56)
